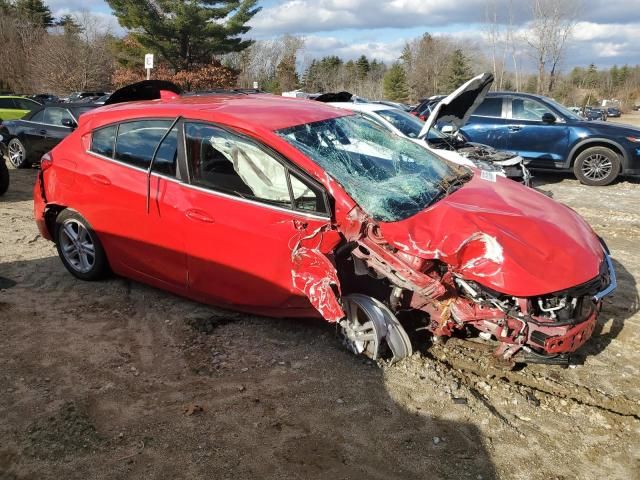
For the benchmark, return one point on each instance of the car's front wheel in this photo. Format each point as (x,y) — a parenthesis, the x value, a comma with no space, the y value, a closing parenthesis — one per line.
(17,154)
(597,166)
(79,246)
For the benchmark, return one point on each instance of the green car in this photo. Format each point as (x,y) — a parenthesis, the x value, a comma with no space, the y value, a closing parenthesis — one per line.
(12,107)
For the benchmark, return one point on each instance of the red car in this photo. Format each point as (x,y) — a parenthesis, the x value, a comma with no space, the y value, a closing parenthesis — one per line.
(287,207)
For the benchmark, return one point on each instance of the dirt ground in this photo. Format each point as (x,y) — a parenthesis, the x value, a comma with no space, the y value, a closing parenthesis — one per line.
(116,380)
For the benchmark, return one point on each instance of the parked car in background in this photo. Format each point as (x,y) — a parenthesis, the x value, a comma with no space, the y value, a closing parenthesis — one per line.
(613,112)
(25,140)
(287,207)
(550,136)
(400,106)
(12,107)
(425,106)
(594,113)
(76,97)
(43,98)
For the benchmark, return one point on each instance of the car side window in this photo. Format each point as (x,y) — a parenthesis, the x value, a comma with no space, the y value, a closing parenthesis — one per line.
(55,115)
(167,156)
(137,141)
(103,141)
(7,103)
(526,109)
(306,197)
(490,107)
(225,162)
(38,117)
(24,104)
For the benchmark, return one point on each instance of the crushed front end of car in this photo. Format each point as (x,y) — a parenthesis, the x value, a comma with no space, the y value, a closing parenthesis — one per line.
(427,245)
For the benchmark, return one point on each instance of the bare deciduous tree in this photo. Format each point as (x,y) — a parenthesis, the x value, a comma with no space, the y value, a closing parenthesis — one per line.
(552,24)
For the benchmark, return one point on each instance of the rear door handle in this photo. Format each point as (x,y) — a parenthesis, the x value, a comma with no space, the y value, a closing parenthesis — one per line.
(42,132)
(199,216)
(515,128)
(101,179)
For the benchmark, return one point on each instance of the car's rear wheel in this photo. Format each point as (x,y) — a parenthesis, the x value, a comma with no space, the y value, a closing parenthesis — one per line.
(4,176)
(79,246)
(17,154)
(597,166)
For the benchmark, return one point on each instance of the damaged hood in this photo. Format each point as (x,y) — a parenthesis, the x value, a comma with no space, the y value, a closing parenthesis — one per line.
(508,238)
(456,108)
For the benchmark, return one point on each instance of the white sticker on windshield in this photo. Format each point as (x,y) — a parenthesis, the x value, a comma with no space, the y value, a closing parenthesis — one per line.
(488,176)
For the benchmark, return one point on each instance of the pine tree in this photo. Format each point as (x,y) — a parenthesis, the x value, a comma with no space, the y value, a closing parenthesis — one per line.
(70,25)
(459,70)
(395,84)
(363,67)
(286,75)
(35,11)
(187,34)
(614,73)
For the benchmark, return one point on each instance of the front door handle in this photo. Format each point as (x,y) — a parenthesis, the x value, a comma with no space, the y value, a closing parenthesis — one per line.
(42,132)
(100,179)
(515,128)
(199,216)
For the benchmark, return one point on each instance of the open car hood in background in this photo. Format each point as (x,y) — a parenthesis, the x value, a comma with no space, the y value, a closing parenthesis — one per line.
(456,108)
(145,90)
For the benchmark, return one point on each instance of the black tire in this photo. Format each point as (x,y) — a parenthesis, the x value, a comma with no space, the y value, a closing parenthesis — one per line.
(597,166)
(81,261)
(16,159)
(4,177)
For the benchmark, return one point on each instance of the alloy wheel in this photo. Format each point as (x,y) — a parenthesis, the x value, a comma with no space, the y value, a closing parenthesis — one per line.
(597,167)
(77,246)
(16,154)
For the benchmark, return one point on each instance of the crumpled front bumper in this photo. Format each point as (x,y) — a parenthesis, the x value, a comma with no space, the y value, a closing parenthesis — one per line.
(567,339)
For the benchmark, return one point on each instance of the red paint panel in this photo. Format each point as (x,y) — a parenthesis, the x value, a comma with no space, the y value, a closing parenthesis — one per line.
(506,237)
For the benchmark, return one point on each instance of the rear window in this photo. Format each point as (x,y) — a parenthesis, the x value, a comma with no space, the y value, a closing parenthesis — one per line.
(490,107)
(137,141)
(103,141)
(7,103)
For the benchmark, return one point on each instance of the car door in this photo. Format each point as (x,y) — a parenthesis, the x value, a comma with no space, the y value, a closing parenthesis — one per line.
(240,220)
(133,211)
(47,130)
(542,143)
(32,135)
(489,123)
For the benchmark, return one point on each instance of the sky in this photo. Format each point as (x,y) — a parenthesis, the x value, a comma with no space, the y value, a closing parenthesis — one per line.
(607,33)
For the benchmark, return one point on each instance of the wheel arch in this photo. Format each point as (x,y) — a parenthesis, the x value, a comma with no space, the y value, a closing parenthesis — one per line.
(51,214)
(598,142)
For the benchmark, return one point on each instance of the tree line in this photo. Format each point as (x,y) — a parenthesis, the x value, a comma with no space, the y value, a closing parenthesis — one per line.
(205,45)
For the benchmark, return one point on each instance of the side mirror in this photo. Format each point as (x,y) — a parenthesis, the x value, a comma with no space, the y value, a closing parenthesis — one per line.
(549,118)
(69,123)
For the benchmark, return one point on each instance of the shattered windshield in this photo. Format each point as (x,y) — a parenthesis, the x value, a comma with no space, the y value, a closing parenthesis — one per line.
(389,176)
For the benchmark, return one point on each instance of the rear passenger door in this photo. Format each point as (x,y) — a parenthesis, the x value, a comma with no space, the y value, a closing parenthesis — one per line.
(132,217)
(489,123)
(246,209)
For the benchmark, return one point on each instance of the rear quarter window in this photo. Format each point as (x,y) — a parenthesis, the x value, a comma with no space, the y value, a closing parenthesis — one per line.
(103,141)
(137,141)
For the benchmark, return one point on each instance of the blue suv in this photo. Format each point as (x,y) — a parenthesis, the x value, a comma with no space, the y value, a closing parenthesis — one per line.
(550,136)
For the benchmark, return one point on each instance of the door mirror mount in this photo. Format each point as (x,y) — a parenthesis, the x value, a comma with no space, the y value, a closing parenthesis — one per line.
(69,123)
(549,118)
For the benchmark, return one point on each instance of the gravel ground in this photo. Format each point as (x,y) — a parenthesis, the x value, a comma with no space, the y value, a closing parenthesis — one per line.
(116,380)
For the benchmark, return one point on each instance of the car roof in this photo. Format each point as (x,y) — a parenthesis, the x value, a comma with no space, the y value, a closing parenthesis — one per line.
(259,110)
(18,97)
(360,107)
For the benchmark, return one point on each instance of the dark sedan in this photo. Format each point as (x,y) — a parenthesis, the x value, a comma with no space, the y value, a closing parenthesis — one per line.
(550,136)
(25,140)
(614,112)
